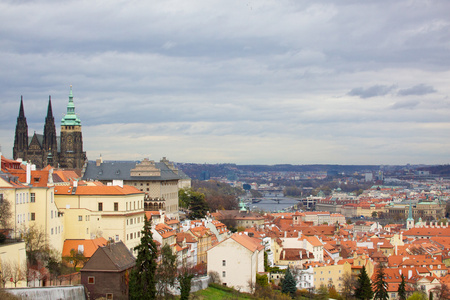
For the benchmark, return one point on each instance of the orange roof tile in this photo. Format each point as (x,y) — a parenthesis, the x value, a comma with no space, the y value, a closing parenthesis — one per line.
(89,246)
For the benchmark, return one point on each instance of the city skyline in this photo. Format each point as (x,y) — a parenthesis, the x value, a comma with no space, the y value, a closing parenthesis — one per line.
(246,82)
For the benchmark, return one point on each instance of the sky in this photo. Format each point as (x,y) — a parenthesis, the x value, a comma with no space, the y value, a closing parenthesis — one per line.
(245,82)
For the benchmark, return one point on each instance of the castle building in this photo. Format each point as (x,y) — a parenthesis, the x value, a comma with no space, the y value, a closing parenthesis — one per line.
(65,151)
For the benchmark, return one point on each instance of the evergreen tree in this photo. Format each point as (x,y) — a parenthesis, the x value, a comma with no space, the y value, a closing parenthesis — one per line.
(363,289)
(288,286)
(198,205)
(185,278)
(402,289)
(143,279)
(380,285)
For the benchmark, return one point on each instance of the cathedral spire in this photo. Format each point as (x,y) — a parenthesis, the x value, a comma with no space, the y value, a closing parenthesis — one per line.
(49,108)
(21,135)
(21,111)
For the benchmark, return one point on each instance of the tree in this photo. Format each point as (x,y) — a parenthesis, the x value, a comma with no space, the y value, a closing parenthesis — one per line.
(194,201)
(6,272)
(348,286)
(380,285)
(417,296)
(5,213)
(76,258)
(17,273)
(402,289)
(185,276)
(142,279)
(198,205)
(322,293)
(363,289)
(288,285)
(166,271)
(442,292)
(35,244)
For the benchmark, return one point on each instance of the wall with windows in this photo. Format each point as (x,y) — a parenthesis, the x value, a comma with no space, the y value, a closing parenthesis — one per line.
(117,217)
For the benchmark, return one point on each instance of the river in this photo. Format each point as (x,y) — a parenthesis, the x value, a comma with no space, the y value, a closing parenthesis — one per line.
(269,205)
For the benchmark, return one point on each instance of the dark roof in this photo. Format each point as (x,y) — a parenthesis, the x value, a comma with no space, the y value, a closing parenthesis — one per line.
(112,257)
(120,170)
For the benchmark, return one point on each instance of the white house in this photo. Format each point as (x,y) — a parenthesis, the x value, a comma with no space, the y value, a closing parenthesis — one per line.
(237,260)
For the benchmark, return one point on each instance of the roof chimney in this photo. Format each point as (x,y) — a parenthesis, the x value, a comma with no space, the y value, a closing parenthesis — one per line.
(28,172)
(99,161)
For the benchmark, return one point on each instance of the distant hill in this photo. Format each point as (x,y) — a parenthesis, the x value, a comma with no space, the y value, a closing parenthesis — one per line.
(442,170)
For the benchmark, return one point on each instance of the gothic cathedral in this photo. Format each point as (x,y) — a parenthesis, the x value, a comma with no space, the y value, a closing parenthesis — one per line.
(65,151)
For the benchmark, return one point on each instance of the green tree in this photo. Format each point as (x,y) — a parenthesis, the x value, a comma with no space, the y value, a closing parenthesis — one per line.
(184,278)
(363,289)
(417,296)
(166,271)
(322,293)
(402,289)
(198,205)
(142,279)
(76,258)
(380,285)
(288,285)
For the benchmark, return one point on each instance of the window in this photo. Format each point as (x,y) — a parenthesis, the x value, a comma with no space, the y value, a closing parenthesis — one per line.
(224,263)
(91,280)
(117,237)
(51,213)
(109,296)
(52,230)
(224,274)
(100,206)
(80,218)
(116,206)
(33,216)
(1,198)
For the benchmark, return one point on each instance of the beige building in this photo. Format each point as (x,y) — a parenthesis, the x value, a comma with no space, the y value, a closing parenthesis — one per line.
(237,260)
(158,180)
(31,197)
(111,212)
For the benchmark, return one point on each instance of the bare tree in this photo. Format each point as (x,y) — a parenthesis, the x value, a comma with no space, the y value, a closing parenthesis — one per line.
(6,272)
(18,273)
(214,277)
(348,286)
(441,292)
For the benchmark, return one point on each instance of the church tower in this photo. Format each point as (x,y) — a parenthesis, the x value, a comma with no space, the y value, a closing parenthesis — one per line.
(21,137)
(71,155)
(410,220)
(49,145)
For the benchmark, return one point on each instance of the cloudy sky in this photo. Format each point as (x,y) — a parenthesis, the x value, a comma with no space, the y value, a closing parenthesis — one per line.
(247,82)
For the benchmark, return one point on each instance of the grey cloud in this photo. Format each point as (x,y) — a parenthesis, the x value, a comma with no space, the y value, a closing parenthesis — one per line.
(405,104)
(373,91)
(418,90)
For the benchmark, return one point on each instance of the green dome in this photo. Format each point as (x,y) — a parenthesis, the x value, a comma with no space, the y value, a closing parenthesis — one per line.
(70,119)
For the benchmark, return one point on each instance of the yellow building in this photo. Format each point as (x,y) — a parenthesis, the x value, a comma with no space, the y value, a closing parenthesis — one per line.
(111,212)
(330,275)
(13,264)
(31,197)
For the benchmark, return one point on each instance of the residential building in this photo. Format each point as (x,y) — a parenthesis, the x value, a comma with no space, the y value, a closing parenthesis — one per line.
(107,273)
(237,260)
